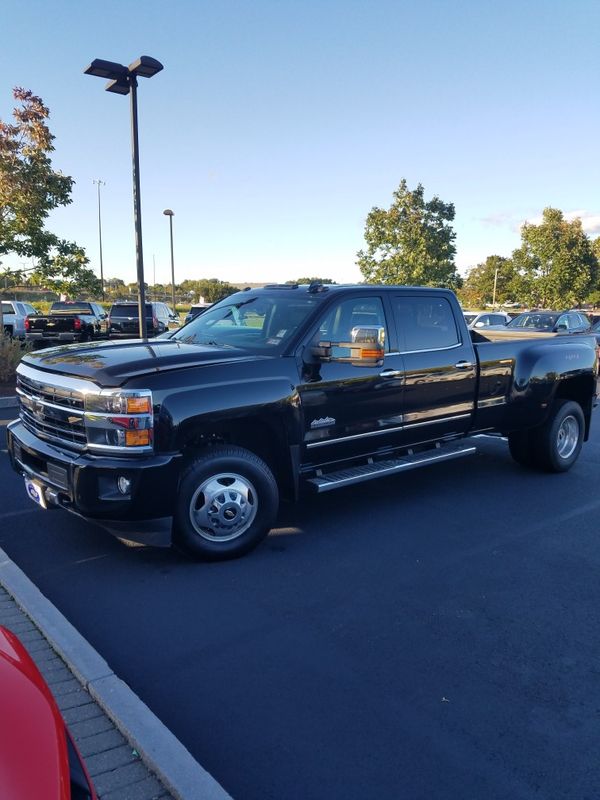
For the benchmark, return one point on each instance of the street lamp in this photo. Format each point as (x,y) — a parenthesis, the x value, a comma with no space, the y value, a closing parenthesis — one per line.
(170,214)
(495,284)
(123,80)
(100,183)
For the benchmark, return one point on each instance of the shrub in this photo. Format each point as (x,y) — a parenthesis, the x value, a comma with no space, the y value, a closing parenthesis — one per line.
(11,351)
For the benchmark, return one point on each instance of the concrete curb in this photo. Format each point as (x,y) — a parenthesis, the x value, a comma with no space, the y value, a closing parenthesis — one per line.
(163,753)
(8,402)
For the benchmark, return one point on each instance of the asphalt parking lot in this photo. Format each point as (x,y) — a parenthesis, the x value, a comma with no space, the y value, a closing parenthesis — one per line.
(433,635)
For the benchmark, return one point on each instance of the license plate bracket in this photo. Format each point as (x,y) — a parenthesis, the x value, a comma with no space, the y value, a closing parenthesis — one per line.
(35,491)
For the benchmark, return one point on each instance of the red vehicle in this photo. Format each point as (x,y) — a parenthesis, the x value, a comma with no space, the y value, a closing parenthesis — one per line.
(38,758)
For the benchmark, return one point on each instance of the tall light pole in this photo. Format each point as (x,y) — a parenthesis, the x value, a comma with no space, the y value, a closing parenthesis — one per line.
(100,183)
(495,284)
(170,214)
(123,80)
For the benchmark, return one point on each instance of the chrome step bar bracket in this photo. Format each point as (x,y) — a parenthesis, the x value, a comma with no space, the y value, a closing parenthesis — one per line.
(366,472)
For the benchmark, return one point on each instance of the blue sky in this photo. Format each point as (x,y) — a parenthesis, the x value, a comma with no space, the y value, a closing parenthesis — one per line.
(276,126)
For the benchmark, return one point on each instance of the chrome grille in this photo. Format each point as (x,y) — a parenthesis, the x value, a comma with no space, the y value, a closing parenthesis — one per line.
(53,413)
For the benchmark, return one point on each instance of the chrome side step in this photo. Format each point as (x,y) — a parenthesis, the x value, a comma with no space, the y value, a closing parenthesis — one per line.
(376,469)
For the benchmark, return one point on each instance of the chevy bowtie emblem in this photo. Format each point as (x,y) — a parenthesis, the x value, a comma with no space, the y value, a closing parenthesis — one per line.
(322,422)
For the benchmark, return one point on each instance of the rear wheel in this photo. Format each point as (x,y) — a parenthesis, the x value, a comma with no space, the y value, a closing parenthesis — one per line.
(226,504)
(559,440)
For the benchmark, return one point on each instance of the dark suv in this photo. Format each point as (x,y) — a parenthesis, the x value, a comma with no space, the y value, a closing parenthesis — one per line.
(124,319)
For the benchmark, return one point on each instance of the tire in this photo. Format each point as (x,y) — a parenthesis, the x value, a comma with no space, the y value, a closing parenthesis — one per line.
(559,440)
(522,448)
(226,504)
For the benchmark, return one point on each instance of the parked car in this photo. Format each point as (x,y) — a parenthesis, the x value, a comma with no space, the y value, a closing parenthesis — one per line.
(481,319)
(551,321)
(124,319)
(283,390)
(38,757)
(68,321)
(14,314)
(195,310)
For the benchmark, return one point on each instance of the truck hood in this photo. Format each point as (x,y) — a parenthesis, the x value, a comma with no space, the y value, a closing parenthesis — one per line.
(112,363)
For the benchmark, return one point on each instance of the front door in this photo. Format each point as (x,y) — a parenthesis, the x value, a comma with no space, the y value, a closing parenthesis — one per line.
(351,409)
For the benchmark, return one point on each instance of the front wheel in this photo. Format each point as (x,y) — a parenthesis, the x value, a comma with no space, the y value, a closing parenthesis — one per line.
(559,440)
(226,504)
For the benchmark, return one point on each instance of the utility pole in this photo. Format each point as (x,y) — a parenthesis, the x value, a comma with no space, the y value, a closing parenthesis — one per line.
(100,183)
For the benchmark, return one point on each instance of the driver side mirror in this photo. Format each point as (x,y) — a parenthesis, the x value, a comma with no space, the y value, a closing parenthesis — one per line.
(562,327)
(366,348)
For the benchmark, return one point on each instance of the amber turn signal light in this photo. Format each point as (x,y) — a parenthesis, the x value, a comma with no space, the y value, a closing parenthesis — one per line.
(138,405)
(137,438)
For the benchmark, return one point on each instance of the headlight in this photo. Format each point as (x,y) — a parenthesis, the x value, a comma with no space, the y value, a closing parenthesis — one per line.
(119,420)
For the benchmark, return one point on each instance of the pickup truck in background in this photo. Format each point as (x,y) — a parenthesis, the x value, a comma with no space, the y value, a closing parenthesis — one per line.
(68,321)
(282,390)
(14,314)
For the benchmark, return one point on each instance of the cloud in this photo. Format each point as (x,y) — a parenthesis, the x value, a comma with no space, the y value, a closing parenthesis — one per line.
(590,220)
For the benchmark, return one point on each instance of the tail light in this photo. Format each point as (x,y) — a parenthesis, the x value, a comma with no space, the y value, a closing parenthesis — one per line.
(27,324)
(77,324)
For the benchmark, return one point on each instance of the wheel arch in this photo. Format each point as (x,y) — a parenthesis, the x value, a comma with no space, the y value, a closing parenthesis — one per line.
(265,438)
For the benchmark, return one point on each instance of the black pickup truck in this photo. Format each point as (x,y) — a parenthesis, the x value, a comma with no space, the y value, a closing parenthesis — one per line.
(68,321)
(274,391)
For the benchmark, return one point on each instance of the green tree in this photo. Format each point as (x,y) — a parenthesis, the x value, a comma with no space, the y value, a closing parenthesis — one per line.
(312,280)
(556,264)
(411,242)
(29,186)
(211,289)
(63,269)
(495,272)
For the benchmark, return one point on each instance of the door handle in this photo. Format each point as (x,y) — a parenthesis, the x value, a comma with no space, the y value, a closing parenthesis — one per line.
(464,365)
(391,373)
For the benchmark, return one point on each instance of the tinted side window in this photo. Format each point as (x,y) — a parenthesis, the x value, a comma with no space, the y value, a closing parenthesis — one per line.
(343,322)
(425,323)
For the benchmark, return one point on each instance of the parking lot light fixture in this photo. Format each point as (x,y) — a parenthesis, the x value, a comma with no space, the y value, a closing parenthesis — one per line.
(123,80)
(170,214)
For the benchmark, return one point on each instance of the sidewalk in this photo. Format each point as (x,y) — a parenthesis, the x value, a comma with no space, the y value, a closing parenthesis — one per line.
(129,753)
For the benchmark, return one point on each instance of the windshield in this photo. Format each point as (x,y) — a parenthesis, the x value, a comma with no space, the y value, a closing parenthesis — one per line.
(534,320)
(469,318)
(259,323)
(128,311)
(72,308)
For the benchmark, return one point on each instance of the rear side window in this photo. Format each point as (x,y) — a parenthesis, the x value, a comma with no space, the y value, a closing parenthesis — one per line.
(425,323)
(119,310)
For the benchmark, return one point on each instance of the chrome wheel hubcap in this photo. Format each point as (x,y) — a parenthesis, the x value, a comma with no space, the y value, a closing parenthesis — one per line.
(223,507)
(568,437)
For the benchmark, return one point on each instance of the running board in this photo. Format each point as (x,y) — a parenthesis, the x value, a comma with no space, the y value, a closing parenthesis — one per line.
(377,469)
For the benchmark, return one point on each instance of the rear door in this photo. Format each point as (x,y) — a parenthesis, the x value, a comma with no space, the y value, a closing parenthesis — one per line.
(440,367)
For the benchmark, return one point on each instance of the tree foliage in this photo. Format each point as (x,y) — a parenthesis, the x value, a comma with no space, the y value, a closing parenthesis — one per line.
(301,281)
(556,265)
(211,289)
(411,242)
(478,286)
(30,188)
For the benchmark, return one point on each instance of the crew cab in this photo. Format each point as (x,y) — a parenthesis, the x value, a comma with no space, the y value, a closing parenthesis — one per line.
(278,391)
(68,321)
(14,314)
